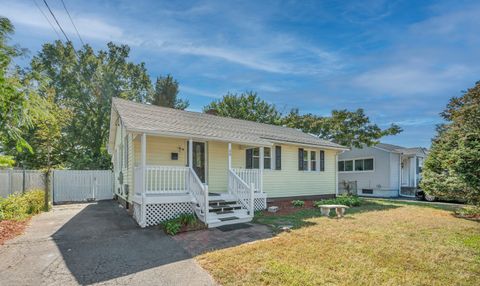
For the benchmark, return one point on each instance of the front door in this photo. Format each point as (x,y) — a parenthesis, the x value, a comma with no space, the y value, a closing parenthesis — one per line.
(199,160)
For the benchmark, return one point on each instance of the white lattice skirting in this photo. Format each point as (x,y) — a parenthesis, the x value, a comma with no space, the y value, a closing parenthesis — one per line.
(260,204)
(156,213)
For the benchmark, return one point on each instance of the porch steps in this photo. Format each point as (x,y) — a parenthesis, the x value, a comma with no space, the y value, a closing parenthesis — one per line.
(224,210)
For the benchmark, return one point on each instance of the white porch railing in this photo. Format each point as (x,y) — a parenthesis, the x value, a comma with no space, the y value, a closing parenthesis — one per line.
(200,192)
(166,179)
(250,176)
(242,191)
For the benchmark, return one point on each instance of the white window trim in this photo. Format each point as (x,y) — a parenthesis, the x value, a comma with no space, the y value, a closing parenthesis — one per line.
(272,149)
(317,157)
(354,159)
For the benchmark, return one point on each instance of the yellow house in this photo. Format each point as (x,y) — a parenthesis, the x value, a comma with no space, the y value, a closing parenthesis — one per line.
(169,161)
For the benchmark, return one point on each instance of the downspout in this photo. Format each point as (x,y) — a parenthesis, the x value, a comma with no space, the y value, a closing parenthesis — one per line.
(399,174)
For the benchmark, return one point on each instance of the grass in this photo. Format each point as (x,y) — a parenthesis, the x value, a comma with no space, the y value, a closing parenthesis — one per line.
(379,243)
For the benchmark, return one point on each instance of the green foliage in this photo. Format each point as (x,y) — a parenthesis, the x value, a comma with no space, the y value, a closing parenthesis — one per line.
(452,167)
(172,227)
(298,203)
(247,106)
(22,206)
(187,219)
(6,161)
(83,82)
(468,211)
(166,94)
(20,105)
(348,200)
(347,128)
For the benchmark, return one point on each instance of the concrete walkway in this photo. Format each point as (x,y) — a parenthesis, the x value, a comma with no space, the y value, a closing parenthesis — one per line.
(95,244)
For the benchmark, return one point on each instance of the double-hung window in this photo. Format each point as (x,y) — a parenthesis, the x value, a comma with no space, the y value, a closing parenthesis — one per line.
(313,161)
(253,158)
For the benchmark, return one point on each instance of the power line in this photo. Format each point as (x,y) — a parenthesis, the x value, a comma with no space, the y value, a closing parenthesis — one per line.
(55,18)
(71,20)
(46,18)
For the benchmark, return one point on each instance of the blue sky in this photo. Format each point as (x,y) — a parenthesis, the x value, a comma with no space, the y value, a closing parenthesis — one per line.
(399,60)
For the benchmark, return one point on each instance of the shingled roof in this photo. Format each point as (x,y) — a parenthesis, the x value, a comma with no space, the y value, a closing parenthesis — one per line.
(400,149)
(151,119)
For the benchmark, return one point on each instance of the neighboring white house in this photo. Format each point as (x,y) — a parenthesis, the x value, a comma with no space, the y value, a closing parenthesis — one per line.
(169,161)
(383,170)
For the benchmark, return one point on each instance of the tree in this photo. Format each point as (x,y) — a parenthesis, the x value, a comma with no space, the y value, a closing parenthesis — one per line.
(83,83)
(452,167)
(247,106)
(348,128)
(166,93)
(19,103)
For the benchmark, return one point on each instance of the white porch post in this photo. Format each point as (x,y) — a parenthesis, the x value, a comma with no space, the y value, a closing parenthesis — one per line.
(190,153)
(229,156)
(143,163)
(260,165)
(414,163)
(336,172)
(400,178)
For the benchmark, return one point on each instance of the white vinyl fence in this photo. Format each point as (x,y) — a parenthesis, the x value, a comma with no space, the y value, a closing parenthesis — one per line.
(78,186)
(65,185)
(20,181)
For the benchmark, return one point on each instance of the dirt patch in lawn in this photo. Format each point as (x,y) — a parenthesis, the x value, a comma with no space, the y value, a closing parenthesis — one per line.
(10,228)
(286,207)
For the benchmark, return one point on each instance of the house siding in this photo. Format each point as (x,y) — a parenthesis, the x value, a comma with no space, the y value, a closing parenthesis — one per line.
(287,182)
(381,180)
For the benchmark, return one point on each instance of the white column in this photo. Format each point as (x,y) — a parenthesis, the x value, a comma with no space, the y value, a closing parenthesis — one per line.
(400,175)
(260,164)
(414,163)
(190,153)
(336,172)
(229,156)
(143,163)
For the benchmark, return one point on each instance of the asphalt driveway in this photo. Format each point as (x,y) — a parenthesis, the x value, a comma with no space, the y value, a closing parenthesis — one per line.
(99,244)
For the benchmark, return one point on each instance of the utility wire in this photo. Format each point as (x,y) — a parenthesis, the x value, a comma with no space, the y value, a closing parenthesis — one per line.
(71,20)
(55,18)
(48,20)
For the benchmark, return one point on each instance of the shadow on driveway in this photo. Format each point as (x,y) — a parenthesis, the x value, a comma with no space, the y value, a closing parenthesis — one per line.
(102,242)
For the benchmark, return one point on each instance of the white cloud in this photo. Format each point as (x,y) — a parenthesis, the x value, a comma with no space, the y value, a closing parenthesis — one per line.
(90,27)
(196,91)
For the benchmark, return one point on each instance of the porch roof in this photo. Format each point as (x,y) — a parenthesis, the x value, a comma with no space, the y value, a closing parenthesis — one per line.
(150,119)
(420,151)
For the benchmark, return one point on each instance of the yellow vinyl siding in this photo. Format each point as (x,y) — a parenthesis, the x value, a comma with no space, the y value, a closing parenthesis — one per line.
(282,183)
(291,182)
(276,183)
(159,151)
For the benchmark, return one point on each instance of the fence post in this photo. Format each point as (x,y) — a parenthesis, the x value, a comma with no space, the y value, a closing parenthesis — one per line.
(23,182)
(252,200)
(47,189)
(10,181)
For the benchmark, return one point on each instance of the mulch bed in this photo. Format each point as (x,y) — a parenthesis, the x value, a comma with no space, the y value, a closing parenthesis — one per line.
(10,228)
(286,207)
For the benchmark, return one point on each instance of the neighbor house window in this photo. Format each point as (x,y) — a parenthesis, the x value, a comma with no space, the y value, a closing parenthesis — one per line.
(357,165)
(313,160)
(253,158)
(348,166)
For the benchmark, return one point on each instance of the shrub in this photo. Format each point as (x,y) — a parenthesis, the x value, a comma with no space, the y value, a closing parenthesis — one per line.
(22,206)
(298,203)
(187,219)
(348,200)
(468,212)
(172,227)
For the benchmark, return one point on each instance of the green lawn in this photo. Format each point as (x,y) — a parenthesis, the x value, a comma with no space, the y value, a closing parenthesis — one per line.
(381,242)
